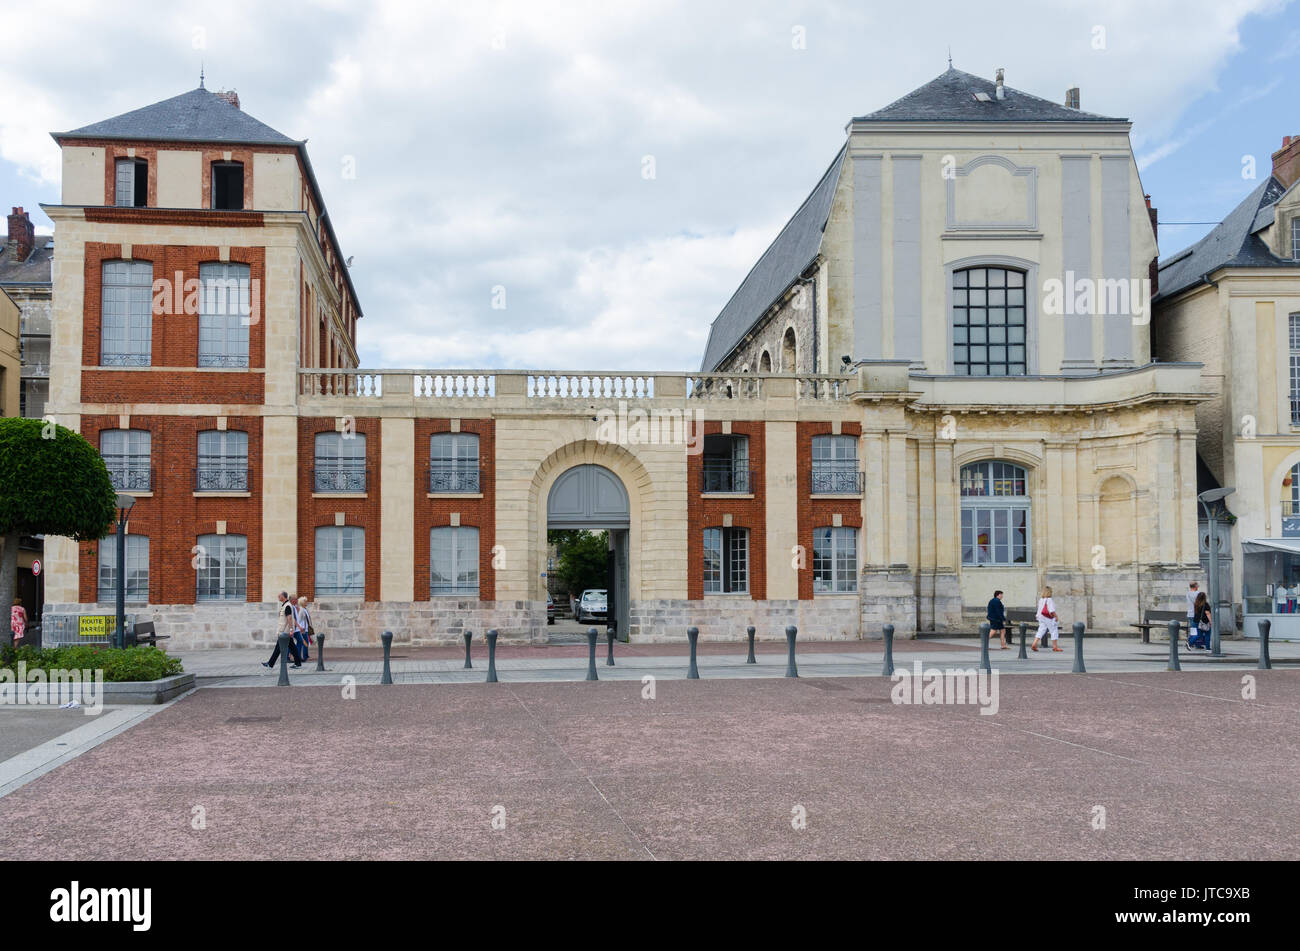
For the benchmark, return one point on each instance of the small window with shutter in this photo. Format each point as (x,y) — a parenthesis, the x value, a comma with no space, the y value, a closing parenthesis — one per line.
(132,183)
(228,185)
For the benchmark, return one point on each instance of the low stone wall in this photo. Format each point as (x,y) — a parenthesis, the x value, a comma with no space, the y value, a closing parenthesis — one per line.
(725,618)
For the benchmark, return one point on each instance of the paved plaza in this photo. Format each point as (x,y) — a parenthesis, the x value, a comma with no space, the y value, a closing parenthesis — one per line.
(1178,766)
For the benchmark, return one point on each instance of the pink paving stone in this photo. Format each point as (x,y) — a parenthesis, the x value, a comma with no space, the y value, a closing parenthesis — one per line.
(710,769)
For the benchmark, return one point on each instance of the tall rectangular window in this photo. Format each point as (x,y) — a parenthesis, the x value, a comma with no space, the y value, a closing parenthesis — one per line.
(988,322)
(726,560)
(340,561)
(835,560)
(137,569)
(126,315)
(994,514)
(223,462)
(224,315)
(453,462)
(1295,369)
(1295,238)
(228,185)
(126,456)
(725,464)
(453,560)
(223,568)
(132,180)
(340,462)
(835,465)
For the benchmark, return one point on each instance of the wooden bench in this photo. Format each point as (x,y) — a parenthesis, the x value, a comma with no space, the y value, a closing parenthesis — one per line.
(143,633)
(1160,619)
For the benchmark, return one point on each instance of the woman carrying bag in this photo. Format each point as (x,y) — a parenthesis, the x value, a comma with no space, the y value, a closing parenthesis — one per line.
(1046,615)
(1199,637)
(302,627)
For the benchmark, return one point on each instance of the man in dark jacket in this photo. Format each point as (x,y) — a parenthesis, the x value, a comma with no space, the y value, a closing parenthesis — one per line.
(997,615)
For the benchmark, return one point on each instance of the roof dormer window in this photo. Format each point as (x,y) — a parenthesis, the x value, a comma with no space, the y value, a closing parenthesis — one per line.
(132,183)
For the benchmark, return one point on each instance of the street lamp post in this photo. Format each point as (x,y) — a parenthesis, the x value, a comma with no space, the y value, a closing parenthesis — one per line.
(1206,498)
(124,503)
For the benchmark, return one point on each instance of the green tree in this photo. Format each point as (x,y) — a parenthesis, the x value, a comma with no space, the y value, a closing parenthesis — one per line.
(52,482)
(581,558)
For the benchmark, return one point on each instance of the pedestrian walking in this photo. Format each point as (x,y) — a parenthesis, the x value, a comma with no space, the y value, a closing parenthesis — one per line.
(997,615)
(18,620)
(302,628)
(286,626)
(1198,637)
(1047,622)
(1193,590)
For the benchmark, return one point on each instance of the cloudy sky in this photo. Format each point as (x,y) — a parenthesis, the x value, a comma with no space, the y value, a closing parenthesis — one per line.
(617,168)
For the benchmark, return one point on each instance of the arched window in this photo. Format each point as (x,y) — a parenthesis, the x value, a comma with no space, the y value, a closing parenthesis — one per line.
(765,363)
(789,351)
(988,322)
(994,514)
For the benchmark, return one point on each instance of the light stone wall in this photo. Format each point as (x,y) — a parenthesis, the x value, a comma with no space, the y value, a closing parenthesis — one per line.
(797,311)
(725,618)
(180,179)
(276,182)
(83,176)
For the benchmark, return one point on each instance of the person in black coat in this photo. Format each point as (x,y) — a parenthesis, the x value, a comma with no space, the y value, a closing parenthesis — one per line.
(997,615)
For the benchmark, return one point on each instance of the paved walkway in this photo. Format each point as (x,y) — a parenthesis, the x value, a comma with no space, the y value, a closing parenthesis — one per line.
(521,664)
(1105,766)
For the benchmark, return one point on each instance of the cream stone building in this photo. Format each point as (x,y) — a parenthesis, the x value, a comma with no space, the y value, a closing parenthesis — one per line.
(1232,302)
(937,382)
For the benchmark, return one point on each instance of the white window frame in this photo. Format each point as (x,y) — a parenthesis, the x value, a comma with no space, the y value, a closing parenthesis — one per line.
(137,569)
(454,462)
(127,456)
(225,561)
(726,560)
(126,184)
(224,314)
(461,544)
(343,461)
(222,461)
(1294,329)
(126,313)
(835,560)
(349,574)
(1295,238)
(835,465)
(1002,499)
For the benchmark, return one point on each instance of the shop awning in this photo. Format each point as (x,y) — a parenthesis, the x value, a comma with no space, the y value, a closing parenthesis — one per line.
(1255,545)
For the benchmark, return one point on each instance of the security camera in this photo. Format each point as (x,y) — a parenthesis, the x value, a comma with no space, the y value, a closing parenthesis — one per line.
(846,359)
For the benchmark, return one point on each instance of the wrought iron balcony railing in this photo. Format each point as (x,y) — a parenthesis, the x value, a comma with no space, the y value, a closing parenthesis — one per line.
(221,479)
(837,480)
(130,478)
(444,478)
(726,477)
(339,478)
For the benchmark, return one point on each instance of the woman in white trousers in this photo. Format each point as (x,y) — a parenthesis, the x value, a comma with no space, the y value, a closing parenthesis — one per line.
(1047,624)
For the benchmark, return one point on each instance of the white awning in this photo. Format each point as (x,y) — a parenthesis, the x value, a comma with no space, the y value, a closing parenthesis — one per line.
(1256,545)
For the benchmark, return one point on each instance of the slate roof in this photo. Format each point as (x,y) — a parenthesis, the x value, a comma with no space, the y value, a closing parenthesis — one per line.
(951,98)
(195,116)
(786,258)
(34,269)
(1232,243)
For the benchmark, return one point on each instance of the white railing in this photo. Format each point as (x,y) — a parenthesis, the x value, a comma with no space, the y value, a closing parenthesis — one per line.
(587,385)
(548,385)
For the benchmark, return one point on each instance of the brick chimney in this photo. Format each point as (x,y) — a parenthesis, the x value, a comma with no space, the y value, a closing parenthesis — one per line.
(1286,161)
(230,96)
(21,235)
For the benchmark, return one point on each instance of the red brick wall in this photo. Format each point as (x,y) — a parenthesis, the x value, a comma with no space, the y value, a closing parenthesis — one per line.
(361,511)
(118,150)
(244,156)
(818,513)
(174,517)
(706,512)
(436,512)
(175,334)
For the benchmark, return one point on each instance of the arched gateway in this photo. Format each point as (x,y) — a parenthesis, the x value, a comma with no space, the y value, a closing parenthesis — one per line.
(592,498)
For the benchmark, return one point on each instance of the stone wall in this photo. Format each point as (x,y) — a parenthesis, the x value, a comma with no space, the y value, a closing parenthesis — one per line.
(796,310)
(824,619)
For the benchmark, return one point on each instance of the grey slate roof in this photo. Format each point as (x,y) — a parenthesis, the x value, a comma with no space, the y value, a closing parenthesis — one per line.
(195,116)
(951,98)
(34,269)
(1231,243)
(785,259)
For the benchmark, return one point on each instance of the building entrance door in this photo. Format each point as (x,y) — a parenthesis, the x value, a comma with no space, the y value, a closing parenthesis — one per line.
(592,498)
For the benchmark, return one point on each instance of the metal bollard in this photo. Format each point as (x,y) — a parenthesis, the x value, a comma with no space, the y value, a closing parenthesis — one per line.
(791,670)
(468,635)
(610,630)
(749,632)
(283,648)
(1173,646)
(984,648)
(1078,648)
(1264,627)
(1023,627)
(889,651)
(320,652)
(492,656)
(693,635)
(591,653)
(387,638)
